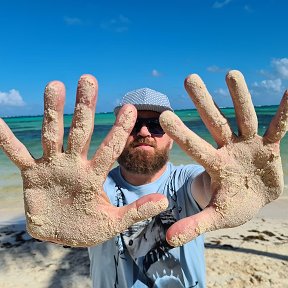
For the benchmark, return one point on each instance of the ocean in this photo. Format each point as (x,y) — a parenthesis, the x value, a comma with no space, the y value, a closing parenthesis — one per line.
(28,131)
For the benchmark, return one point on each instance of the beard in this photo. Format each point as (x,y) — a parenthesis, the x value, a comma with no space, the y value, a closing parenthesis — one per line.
(141,161)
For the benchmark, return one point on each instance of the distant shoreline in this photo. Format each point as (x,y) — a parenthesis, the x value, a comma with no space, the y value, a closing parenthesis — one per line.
(177,110)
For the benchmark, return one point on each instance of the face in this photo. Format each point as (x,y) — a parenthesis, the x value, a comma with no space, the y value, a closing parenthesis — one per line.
(145,152)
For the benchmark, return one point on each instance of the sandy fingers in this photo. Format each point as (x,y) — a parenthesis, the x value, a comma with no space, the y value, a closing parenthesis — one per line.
(197,148)
(14,149)
(279,124)
(214,120)
(53,127)
(244,109)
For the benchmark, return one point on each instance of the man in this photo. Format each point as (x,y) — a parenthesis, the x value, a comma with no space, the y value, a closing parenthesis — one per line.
(70,200)
(141,256)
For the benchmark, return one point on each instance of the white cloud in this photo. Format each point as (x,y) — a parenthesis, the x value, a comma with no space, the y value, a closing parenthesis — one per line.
(11,98)
(222,92)
(281,67)
(118,24)
(248,8)
(155,73)
(213,68)
(272,85)
(219,4)
(269,90)
(72,21)
(123,19)
(266,74)
(216,69)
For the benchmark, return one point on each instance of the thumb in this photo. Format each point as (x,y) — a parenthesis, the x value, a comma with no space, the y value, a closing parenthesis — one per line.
(144,208)
(189,228)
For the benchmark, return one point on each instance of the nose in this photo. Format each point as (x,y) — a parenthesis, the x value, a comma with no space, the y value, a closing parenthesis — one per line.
(144,132)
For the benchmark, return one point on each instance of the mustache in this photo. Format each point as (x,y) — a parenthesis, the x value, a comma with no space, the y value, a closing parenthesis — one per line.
(141,140)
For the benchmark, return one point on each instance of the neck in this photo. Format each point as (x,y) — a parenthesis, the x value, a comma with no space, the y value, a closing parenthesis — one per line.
(141,179)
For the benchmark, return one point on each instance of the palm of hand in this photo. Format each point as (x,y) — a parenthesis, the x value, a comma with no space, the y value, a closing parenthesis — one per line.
(57,194)
(248,177)
(245,170)
(63,191)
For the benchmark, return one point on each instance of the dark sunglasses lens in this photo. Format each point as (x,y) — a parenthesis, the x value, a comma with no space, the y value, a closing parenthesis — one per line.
(152,125)
(137,127)
(155,128)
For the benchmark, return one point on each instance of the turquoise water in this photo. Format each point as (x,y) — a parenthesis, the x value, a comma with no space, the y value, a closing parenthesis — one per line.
(28,131)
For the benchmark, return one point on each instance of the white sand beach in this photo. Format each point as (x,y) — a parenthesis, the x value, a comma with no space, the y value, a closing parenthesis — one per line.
(253,255)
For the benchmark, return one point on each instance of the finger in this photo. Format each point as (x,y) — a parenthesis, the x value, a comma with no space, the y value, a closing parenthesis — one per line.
(144,208)
(226,209)
(14,149)
(211,115)
(114,143)
(191,227)
(197,148)
(244,110)
(53,128)
(83,119)
(279,123)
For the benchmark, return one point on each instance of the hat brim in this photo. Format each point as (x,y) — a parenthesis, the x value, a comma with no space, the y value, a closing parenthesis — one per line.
(146,107)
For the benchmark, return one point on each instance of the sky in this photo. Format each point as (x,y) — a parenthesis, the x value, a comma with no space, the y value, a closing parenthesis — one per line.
(141,43)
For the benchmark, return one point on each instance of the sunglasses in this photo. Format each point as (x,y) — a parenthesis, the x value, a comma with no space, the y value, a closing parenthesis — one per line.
(152,125)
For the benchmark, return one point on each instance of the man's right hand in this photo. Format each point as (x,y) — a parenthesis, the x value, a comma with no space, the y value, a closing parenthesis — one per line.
(63,191)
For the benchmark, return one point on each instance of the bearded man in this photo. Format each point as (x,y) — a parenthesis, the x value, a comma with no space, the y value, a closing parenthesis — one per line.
(141,256)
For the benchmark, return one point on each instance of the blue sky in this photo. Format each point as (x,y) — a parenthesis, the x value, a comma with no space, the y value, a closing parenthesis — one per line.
(131,44)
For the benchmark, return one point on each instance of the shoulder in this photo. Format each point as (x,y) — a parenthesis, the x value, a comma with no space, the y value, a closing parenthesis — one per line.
(181,176)
(112,177)
(111,183)
(185,172)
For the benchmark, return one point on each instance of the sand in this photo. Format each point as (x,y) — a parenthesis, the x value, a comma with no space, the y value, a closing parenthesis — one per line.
(252,255)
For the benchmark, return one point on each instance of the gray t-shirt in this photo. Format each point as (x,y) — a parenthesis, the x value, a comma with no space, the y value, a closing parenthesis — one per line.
(141,257)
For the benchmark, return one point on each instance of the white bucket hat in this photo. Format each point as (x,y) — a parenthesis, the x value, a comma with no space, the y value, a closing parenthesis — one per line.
(145,99)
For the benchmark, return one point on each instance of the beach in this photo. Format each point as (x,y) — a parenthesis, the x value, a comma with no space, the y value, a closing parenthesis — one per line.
(252,255)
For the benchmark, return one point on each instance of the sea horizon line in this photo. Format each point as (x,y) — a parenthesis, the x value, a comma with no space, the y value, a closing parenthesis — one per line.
(111,112)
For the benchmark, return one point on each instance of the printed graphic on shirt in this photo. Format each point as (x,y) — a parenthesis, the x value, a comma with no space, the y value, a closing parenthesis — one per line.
(147,245)
(145,242)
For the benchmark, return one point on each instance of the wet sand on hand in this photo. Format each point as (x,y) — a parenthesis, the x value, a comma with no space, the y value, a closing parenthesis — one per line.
(252,255)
